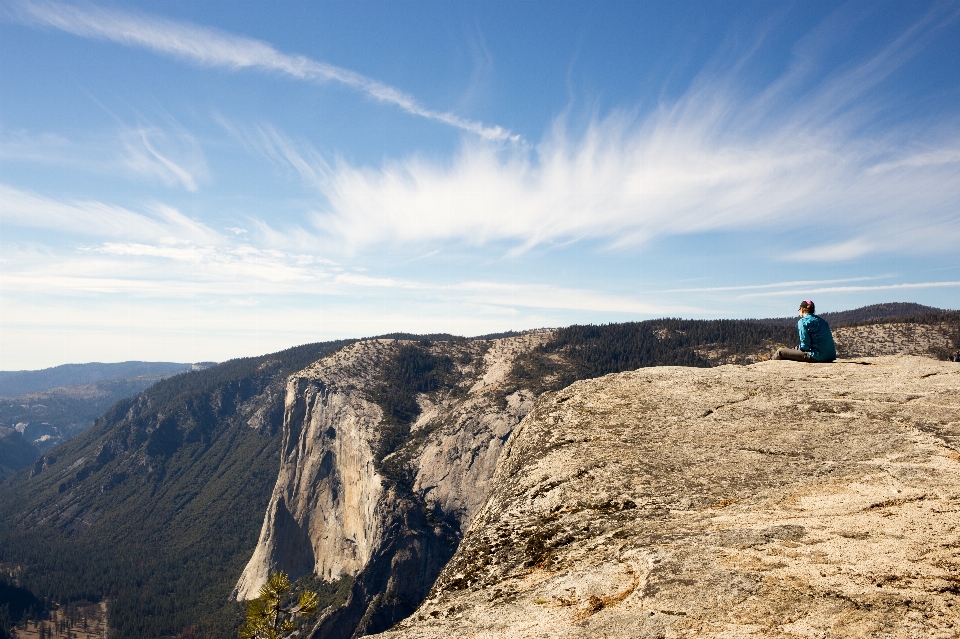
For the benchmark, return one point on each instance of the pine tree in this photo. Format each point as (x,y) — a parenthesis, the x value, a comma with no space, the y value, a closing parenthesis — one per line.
(268,618)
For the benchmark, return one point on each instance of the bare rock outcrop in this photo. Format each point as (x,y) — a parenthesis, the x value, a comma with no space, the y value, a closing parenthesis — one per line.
(771,500)
(456,464)
(874,340)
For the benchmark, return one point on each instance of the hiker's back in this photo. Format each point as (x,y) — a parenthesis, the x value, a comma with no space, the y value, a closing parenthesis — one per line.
(816,338)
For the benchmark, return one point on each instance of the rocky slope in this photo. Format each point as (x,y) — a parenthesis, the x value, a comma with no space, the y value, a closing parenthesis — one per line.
(873,340)
(771,500)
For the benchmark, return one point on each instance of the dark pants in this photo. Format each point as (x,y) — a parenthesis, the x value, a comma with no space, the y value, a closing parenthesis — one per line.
(793,354)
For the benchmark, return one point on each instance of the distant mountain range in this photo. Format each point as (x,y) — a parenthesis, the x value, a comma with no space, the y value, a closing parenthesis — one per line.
(42,409)
(158,507)
(13,383)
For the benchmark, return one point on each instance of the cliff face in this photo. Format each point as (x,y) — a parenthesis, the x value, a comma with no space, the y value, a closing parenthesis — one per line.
(321,514)
(390,523)
(455,465)
(772,500)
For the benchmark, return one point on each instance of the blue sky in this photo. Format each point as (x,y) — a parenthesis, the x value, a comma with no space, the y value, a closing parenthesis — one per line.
(198,181)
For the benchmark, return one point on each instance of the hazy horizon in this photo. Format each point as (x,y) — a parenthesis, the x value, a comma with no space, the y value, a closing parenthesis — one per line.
(358,337)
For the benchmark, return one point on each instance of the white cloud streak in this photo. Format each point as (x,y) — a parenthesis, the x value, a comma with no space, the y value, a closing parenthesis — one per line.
(277,148)
(96,219)
(857,289)
(841,251)
(751,287)
(48,148)
(142,156)
(169,155)
(185,270)
(782,159)
(214,48)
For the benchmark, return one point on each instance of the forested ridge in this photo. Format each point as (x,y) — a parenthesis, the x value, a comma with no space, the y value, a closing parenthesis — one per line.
(158,506)
(585,351)
(413,369)
(32,423)
(890,312)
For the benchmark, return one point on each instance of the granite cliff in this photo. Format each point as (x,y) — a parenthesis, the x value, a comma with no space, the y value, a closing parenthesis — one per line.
(384,503)
(771,500)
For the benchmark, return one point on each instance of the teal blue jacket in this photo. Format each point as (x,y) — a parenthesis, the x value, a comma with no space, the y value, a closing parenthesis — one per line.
(816,338)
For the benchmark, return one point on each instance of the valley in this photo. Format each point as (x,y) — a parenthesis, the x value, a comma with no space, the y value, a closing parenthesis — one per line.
(43,409)
(73,621)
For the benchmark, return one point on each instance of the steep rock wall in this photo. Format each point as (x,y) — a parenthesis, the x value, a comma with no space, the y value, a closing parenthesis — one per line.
(457,463)
(321,517)
(332,514)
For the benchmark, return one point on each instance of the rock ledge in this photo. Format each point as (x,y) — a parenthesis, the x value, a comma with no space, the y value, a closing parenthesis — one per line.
(772,500)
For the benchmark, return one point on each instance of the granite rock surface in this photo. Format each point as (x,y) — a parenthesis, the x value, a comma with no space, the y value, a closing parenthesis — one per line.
(773,500)
(873,340)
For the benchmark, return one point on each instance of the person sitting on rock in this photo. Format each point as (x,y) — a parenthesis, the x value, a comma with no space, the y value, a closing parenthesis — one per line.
(816,340)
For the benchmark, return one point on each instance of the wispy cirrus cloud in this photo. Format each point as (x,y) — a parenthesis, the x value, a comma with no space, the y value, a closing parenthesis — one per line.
(627,184)
(192,270)
(99,220)
(754,287)
(170,155)
(267,142)
(791,156)
(836,252)
(626,181)
(215,48)
(905,286)
(47,148)
(804,154)
(145,153)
